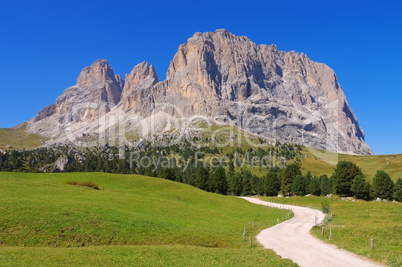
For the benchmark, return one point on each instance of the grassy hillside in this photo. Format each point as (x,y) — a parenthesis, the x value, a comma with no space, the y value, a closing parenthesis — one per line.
(355,223)
(132,219)
(323,162)
(318,162)
(19,139)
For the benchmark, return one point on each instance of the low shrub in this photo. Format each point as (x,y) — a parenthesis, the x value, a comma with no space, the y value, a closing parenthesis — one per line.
(325,207)
(87,184)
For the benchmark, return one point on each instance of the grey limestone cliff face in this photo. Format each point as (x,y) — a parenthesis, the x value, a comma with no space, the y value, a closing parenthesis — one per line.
(137,92)
(280,95)
(96,92)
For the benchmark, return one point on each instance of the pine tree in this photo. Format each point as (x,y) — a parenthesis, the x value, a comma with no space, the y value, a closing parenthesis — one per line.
(169,174)
(314,187)
(299,185)
(360,188)
(325,187)
(308,179)
(382,185)
(343,176)
(272,184)
(219,181)
(259,185)
(246,185)
(201,178)
(288,174)
(231,166)
(398,190)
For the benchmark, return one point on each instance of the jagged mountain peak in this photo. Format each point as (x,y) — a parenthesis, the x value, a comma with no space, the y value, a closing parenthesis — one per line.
(139,73)
(138,86)
(281,95)
(98,72)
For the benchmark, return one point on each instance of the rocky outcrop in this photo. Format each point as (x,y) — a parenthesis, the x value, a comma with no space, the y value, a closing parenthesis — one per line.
(119,80)
(281,95)
(136,95)
(96,92)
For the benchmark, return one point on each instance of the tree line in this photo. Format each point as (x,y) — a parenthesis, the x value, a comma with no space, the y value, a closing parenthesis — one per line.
(191,168)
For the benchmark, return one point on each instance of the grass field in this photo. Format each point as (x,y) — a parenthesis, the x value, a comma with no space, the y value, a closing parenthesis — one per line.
(318,162)
(19,139)
(173,255)
(355,223)
(323,162)
(132,220)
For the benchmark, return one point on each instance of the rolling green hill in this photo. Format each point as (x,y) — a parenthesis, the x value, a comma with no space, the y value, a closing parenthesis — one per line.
(131,220)
(17,138)
(323,162)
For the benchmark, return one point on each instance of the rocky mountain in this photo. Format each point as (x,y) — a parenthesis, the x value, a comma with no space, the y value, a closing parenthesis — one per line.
(218,77)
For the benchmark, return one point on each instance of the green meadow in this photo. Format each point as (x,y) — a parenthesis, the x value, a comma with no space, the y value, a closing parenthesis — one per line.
(355,223)
(320,162)
(17,138)
(132,220)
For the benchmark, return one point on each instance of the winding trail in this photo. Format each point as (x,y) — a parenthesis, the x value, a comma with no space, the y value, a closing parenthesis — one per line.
(292,240)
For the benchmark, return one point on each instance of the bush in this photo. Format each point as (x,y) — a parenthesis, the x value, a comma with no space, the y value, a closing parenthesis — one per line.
(87,184)
(325,207)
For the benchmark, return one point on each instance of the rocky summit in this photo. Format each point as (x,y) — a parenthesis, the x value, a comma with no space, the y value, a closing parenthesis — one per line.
(217,77)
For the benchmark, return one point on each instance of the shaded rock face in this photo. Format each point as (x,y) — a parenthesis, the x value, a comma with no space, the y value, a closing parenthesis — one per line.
(273,93)
(136,95)
(280,95)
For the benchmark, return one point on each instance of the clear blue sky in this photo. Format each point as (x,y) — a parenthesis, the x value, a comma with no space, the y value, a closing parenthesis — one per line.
(45,44)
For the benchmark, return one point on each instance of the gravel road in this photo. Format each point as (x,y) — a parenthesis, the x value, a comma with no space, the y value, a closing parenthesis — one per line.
(292,240)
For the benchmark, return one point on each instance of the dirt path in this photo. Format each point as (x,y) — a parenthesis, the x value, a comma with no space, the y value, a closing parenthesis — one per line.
(292,240)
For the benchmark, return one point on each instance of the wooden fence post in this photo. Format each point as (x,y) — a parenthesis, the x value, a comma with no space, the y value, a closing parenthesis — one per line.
(251,241)
(372,244)
(330,232)
(245,231)
(322,231)
(249,225)
(277,220)
(253,224)
(244,236)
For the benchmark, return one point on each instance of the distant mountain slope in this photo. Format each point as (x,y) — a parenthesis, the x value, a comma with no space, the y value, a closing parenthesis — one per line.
(324,163)
(18,138)
(217,77)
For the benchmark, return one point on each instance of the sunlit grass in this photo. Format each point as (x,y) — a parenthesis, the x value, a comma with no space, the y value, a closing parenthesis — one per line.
(324,163)
(355,223)
(19,139)
(148,219)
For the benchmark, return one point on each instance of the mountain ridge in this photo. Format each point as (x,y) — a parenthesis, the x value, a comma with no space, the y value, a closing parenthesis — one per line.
(280,95)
